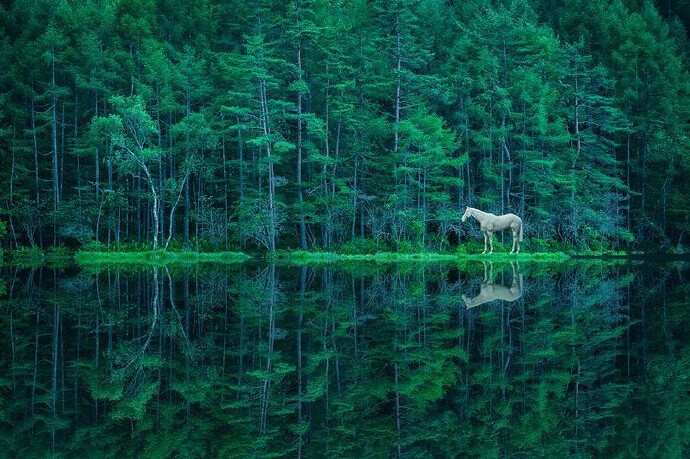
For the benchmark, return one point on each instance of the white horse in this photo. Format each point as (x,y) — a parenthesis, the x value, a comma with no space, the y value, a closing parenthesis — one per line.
(489,291)
(490,223)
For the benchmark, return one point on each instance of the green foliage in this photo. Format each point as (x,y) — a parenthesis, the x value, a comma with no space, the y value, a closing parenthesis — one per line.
(256,126)
(94,246)
(362,246)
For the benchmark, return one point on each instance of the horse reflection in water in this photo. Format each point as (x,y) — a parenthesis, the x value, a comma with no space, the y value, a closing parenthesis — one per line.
(490,292)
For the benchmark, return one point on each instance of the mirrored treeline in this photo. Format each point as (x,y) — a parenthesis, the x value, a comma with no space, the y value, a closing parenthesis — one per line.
(479,359)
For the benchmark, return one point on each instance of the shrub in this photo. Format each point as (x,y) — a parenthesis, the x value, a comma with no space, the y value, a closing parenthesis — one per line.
(362,246)
(408,247)
(94,246)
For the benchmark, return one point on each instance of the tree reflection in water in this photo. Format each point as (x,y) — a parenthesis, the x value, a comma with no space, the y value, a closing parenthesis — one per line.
(232,361)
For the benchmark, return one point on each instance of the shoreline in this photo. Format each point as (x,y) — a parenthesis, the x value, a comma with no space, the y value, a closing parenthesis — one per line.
(300,257)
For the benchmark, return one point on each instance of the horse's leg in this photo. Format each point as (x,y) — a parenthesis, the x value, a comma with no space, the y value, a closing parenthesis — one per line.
(517,238)
(491,241)
(468,302)
(514,241)
(484,243)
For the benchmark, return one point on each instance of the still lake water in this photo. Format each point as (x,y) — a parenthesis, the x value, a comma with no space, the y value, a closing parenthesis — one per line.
(582,359)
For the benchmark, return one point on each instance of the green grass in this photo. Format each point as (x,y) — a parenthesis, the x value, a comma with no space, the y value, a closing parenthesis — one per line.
(36,257)
(160,257)
(302,257)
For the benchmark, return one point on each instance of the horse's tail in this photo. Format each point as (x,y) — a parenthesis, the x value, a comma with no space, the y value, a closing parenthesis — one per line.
(521,224)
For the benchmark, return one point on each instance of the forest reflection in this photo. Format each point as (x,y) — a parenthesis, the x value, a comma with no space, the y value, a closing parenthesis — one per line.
(375,360)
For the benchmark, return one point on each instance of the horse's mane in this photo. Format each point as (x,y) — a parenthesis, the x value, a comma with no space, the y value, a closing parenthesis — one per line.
(481,211)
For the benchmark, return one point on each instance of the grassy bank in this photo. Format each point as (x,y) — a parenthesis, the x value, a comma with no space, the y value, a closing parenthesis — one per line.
(35,257)
(158,257)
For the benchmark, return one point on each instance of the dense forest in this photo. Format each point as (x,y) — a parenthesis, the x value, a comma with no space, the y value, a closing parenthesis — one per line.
(264,125)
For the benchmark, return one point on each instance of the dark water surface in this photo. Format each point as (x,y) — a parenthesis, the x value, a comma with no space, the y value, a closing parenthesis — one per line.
(584,359)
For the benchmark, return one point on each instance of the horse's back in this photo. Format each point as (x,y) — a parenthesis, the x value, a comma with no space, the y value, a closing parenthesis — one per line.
(507,220)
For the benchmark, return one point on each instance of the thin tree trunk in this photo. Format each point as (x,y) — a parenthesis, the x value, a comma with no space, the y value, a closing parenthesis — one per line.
(161,169)
(300,197)
(76,137)
(187,204)
(10,202)
(503,192)
(53,132)
(61,182)
(187,196)
(326,226)
(265,121)
(35,145)
(199,209)
(398,66)
(240,155)
(354,201)
(577,154)
(627,179)
(171,220)
(98,162)
(226,206)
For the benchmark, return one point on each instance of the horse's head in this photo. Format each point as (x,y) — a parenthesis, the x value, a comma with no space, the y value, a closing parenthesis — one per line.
(467,213)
